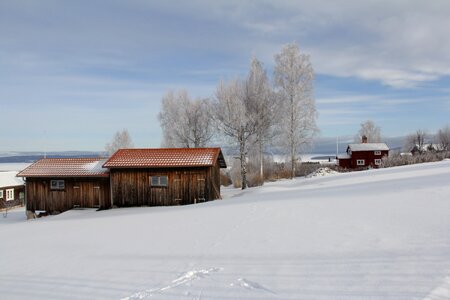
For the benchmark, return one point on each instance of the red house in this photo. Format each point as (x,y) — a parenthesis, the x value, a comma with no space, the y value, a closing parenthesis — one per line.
(363,155)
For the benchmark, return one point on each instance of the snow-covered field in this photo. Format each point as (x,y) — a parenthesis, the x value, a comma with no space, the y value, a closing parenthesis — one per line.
(379,234)
(13,166)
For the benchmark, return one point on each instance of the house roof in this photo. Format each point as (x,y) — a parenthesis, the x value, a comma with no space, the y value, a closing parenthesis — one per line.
(368,147)
(166,158)
(66,167)
(9,179)
(343,156)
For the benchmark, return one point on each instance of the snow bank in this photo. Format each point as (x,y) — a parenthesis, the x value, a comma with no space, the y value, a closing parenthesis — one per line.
(322,172)
(378,234)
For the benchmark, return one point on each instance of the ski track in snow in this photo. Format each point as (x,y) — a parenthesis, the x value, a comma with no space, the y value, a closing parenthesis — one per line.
(183,279)
(250,285)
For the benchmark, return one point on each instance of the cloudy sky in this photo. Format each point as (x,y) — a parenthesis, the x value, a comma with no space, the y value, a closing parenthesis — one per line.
(72,73)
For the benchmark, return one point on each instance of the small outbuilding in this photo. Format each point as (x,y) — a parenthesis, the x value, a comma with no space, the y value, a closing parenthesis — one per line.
(130,177)
(12,190)
(363,155)
(171,176)
(59,184)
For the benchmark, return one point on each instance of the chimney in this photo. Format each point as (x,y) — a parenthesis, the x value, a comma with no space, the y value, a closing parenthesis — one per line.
(364,139)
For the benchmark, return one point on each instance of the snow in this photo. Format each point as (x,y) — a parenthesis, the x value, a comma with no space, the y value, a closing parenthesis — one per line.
(322,172)
(368,147)
(9,179)
(377,234)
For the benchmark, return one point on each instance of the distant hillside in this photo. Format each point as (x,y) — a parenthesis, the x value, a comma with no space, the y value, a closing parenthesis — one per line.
(29,157)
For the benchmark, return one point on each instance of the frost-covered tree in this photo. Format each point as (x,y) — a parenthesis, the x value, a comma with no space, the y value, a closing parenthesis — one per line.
(121,139)
(370,130)
(293,78)
(416,141)
(185,122)
(443,138)
(263,106)
(234,117)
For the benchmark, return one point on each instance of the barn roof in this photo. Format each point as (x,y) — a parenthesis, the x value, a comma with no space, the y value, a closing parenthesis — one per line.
(166,158)
(66,167)
(9,179)
(368,147)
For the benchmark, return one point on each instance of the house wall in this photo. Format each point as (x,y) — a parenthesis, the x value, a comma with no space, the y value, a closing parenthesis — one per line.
(17,200)
(132,187)
(344,162)
(368,156)
(78,192)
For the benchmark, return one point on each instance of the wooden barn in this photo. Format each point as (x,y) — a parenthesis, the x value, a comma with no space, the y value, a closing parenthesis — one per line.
(12,190)
(59,184)
(363,155)
(174,176)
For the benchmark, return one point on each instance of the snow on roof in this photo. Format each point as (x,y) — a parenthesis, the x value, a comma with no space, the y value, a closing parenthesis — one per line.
(166,157)
(66,167)
(369,147)
(8,179)
(343,156)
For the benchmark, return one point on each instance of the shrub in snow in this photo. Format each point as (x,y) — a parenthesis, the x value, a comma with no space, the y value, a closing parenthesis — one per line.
(321,172)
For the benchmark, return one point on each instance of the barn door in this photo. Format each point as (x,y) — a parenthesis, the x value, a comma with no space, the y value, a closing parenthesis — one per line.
(177,189)
(96,199)
(201,189)
(77,196)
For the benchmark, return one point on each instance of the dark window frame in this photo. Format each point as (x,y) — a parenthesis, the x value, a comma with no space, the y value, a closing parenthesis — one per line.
(57,185)
(159,181)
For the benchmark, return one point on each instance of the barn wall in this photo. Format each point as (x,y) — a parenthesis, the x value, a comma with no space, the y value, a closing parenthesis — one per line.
(78,192)
(11,203)
(131,187)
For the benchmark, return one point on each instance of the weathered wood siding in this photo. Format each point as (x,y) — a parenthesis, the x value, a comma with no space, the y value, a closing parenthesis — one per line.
(78,192)
(132,187)
(17,197)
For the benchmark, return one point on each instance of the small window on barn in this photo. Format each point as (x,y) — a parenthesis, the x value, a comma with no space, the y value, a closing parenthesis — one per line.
(377,152)
(1,193)
(360,162)
(377,162)
(9,194)
(57,184)
(21,195)
(159,181)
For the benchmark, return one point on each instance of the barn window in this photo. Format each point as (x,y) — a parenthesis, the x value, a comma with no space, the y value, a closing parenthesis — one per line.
(21,195)
(159,181)
(377,162)
(377,152)
(57,184)
(9,194)
(360,162)
(1,193)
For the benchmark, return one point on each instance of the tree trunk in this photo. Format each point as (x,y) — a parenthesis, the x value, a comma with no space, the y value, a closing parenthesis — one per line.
(243,158)
(261,161)
(292,138)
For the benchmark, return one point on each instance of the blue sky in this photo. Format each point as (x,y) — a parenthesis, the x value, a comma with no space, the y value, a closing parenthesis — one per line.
(72,73)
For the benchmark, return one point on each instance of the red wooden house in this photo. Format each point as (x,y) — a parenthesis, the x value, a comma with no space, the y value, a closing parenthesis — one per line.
(12,190)
(363,155)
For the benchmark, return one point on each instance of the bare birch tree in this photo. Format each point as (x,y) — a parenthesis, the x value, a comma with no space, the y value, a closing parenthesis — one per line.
(233,115)
(121,139)
(263,107)
(293,76)
(185,122)
(370,130)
